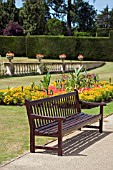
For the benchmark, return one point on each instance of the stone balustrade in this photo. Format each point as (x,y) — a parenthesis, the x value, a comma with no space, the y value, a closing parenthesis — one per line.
(20,69)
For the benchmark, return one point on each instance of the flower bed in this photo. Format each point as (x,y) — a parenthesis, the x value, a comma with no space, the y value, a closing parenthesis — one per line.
(89,86)
(97,94)
(16,96)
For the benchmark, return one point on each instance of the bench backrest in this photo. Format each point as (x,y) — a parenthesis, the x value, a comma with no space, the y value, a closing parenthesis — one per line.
(62,105)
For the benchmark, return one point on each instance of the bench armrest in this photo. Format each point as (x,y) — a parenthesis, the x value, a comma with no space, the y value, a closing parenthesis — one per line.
(95,104)
(33,116)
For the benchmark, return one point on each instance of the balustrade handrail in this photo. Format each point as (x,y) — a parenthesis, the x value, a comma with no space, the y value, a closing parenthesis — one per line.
(40,68)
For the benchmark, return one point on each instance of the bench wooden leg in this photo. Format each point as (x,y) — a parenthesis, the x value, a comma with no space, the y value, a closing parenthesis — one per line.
(101,120)
(80,129)
(59,138)
(101,125)
(32,143)
(59,146)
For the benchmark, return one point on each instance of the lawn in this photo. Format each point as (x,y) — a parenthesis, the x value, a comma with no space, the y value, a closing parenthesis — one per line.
(14,129)
(14,132)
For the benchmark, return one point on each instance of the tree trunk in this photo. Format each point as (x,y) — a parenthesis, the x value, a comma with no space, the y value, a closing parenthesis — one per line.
(69,18)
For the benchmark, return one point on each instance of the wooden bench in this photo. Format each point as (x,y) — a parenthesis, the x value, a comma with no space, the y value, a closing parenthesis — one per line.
(58,115)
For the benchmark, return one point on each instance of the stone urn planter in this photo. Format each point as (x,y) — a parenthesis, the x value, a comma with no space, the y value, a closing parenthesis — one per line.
(39,57)
(10,56)
(62,57)
(80,57)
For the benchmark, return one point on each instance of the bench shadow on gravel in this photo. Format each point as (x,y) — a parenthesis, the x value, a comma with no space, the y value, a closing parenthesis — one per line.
(76,144)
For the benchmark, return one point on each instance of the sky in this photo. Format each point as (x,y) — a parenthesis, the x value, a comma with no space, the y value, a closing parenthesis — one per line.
(99,5)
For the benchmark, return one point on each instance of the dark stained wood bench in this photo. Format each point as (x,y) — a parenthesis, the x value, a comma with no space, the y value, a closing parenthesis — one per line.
(58,115)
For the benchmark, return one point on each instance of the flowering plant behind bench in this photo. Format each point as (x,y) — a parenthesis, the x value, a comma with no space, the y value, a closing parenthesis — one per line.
(39,56)
(80,57)
(10,54)
(62,56)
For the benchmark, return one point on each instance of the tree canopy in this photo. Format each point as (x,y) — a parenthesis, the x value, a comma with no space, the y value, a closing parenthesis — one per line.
(53,17)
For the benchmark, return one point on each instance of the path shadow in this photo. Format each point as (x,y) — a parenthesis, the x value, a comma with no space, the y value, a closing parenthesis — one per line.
(75,145)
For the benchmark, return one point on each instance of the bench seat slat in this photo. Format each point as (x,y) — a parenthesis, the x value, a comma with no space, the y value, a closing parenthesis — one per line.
(80,122)
(71,121)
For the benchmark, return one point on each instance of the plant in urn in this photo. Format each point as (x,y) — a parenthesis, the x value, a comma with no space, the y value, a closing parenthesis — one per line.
(39,57)
(80,57)
(10,55)
(62,57)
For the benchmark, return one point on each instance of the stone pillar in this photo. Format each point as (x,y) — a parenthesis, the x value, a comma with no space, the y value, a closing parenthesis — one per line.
(9,69)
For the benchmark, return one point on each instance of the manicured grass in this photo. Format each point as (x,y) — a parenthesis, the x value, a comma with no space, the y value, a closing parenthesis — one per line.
(108,110)
(105,71)
(14,132)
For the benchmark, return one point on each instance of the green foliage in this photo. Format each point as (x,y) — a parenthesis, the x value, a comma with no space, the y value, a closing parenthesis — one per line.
(111,18)
(75,80)
(103,32)
(55,27)
(8,11)
(46,82)
(51,46)
(105,18)
(80,80)
(92,48)
(83,15)
(81,34)
(77,77)
(15,44)
(33,17)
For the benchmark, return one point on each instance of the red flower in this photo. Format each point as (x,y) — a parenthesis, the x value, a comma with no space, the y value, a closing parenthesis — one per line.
(80,56)
(62,56)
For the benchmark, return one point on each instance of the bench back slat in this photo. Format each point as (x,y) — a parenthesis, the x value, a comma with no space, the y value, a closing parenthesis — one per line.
(62,105)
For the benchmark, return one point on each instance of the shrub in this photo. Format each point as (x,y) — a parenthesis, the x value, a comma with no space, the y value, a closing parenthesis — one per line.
(103,32)
(81,34)
(13,28)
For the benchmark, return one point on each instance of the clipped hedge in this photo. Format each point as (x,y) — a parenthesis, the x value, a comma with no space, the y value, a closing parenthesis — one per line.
(51,46)
(17,44)
(92,48)
(96,49)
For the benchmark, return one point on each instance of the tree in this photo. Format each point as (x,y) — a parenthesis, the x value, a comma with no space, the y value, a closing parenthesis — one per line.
(103,19)
(111,19)
(61,9)
(8,11)
(1,12)
(33,16)
(83,16)
(76,11)
(55,27)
